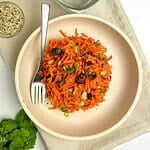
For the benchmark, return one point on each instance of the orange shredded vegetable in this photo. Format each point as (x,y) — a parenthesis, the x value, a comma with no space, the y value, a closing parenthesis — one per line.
(76,72)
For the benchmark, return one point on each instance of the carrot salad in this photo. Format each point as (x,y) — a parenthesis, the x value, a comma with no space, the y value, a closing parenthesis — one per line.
(76,72)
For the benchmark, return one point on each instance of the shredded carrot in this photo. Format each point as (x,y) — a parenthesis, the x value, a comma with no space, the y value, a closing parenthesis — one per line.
(76,72)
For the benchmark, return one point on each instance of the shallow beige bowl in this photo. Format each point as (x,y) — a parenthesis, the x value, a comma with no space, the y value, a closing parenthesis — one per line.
(121,98)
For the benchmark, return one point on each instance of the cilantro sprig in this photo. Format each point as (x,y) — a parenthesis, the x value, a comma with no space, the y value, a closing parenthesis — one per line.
(18,134)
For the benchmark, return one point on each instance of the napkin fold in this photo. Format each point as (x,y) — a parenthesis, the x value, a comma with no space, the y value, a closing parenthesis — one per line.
(111,10)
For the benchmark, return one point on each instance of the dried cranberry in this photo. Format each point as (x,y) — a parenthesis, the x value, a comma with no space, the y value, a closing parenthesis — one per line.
(58,83)
(90,53)
(53,79)
(80,79)
(103,78)
(89,63)
(102,65)
(89,96)
(48,76)
(92,76)
(110,77)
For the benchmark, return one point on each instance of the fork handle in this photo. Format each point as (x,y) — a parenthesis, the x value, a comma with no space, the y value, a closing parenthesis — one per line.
(44,26)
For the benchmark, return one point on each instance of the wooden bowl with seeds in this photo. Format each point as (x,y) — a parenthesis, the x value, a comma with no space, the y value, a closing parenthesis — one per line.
(11,19)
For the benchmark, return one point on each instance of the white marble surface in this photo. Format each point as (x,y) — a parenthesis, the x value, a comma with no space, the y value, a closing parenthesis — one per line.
(138,12)
(9,104)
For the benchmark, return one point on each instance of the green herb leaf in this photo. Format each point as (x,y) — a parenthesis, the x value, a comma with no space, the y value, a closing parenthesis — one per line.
(31,139)
(4,148)
(101,56)
(7,125)
(23,133)
(86,72)
(63,109)
(19,134)
(60,82)
(17,143)
(66,114)
(56,51)
(70,70)
(23,120)
(3,141)
(21,116)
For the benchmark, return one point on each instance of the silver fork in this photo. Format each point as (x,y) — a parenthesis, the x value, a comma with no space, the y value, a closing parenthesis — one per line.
(38,90)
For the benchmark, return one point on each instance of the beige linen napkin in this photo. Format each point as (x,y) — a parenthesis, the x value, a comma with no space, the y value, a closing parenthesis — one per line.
(137,123)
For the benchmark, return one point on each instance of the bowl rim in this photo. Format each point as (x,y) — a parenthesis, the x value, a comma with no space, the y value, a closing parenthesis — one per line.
(100,134)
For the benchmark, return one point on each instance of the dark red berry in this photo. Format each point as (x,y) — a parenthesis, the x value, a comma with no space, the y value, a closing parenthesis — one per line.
(90,53)
(89,96)
(80,79)
(92,76)
(89,63)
